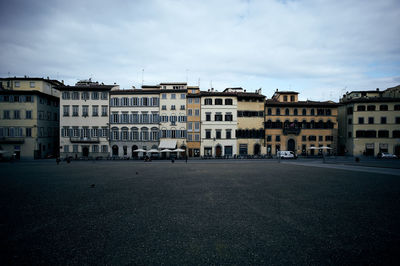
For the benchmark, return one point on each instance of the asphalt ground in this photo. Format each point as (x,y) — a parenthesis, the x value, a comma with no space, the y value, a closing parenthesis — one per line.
(225,212)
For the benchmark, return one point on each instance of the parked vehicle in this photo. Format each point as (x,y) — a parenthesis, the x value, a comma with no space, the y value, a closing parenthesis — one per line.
(386,155)
(287,155)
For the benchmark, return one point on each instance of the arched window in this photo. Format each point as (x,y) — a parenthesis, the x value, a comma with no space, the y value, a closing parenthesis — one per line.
(124,133)
(312,112)
(144,131)
(115,133)
(287,111)
(278,111)
(154,134)
(295,111)
(135,133)
(304,111)
(304,124)
(312,124)
(269,111)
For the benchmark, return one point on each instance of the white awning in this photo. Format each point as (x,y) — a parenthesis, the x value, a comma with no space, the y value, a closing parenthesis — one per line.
(167,144)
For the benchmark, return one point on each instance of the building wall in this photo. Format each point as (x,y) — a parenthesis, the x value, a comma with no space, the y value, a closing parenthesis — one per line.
(77,143)
(224,126)
(278,139)
(141,132)
(251,123)
(359,145)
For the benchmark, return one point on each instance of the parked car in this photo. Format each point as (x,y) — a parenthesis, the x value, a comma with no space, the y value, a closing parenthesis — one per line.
(386,155)
(287,155)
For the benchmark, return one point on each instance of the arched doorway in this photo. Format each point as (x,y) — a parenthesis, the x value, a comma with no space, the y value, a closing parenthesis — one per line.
(115,150)
(218,150)
(85,151)
(134,154)
(257,149)
(291,145)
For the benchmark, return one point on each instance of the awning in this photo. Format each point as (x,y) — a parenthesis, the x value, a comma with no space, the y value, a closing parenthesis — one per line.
(167,144)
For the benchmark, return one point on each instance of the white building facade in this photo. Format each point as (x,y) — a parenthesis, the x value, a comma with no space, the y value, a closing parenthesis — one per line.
(134,121)
(84,120)
(218,124)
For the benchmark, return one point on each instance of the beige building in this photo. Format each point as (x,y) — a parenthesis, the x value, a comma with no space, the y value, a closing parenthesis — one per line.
(250,122)
(299,126)
(29,112)
(369,122)
(193,112)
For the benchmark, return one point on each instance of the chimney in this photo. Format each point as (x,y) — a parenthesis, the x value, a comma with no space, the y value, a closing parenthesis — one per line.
(62,81)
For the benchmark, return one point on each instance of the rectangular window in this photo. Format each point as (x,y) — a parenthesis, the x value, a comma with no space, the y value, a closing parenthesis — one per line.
(218,117)
(164,96)
(361,120)
(95,96)
(85,95)
(95,148)
(243,149)
(125,118)
(228,134)
(104,148)
(75,110)
(104,96)
(208,116)
(196,126)
(164,107)
(28,132)
(190,100)
(66,110)
(228,117)
(190,112)
(85,110)
(104,132)
(135,118)
(74,148)
(190,126)
(6,114)
(277,138)
(190,137)
(383,120)
(304,138)
(145,101)
(218,101)
(75,95)
(197,137)
(196,100)
(208,133)
(269,138)
(66,148)
(196,112)
(320,138)
(16,114)
(172,107)
(183,96)
(32,84)
(218,134)
(104,110)
(182,107)
(95,110)
(228,102)
(173,96)
(28,114)
(370,119)
(349,121)
(397,120)
(349,135)
(208,101)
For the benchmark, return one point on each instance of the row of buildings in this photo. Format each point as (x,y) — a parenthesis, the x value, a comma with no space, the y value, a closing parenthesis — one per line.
(43,117)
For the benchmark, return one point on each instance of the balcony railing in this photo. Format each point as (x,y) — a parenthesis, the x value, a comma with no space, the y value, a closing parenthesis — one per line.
(84,140)
(291,130)
(12,140)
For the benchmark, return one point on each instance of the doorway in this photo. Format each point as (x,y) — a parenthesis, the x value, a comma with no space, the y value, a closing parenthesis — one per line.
(218,150)
(115,150)
(257,149)
(291,145)
(85,151)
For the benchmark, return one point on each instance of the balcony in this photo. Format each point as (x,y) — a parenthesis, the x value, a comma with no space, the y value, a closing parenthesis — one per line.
(291,131)
(84,140)
(12,140)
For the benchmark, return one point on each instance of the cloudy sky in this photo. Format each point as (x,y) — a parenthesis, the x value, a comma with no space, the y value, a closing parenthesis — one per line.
(319,48)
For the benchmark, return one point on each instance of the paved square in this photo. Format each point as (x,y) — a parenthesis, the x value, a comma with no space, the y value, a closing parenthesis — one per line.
(217,212)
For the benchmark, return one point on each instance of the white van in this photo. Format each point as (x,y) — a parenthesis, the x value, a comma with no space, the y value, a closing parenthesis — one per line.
(286,155)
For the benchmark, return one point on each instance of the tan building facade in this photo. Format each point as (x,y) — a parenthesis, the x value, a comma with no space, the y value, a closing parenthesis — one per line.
(193,121)
(370,122)
(300,126)
(29,112)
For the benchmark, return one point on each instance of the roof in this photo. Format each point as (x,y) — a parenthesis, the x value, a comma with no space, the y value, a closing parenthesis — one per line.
(216,93)
(86,88)
(134,91)
(26,92)
(272,102)
(173,83)
(286,92)
(52,81)
(150,86)
(371,100)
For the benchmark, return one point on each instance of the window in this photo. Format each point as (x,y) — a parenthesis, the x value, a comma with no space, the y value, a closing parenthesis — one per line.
(104,110)
(243,149)
(371,108)
(28,114)
(349,135)
(291,98)
(95,148)
(190,137)
(383,107)
(85,110)
(163,107)
(383,120)
(28,99)
(208,101)
(295,111)
(85,95)
(285,98)
(163,96)
(95,95)
(196,126)
(182,107)
(361,108)
(269,111)
(277,138)
(75,95)
(196,112)
(218,134)
(278,111)
(16,114)
(304,138)
(286,111)
(208,116)
(218,117)
(190,126)
(66,148)
(320,138)
(397,120)
(361,120)
(114,118)
(65,95)
(228,102)
(125,118)
(218,101)
(370,120)
(349,110)
(74,148)
(173,107)
(104,148)
(75,110)
(396,134)
(190,100)
(208,133)
(104,96)
(312,112)
(95,110)
(228,117)
(383,133)
(173,96)
(312,138)
(183,96)
(154,101)
(349,121)
(190,112)
(66,110)
(197,137)
(32,84)
(28,132)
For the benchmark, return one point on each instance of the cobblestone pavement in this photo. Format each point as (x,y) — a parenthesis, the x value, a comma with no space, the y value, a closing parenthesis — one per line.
(203,212)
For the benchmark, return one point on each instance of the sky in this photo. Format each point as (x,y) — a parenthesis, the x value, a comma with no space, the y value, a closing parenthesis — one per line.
(319,48)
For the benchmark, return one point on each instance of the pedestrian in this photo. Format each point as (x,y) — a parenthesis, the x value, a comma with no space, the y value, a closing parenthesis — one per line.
(186,157)
(58,160)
